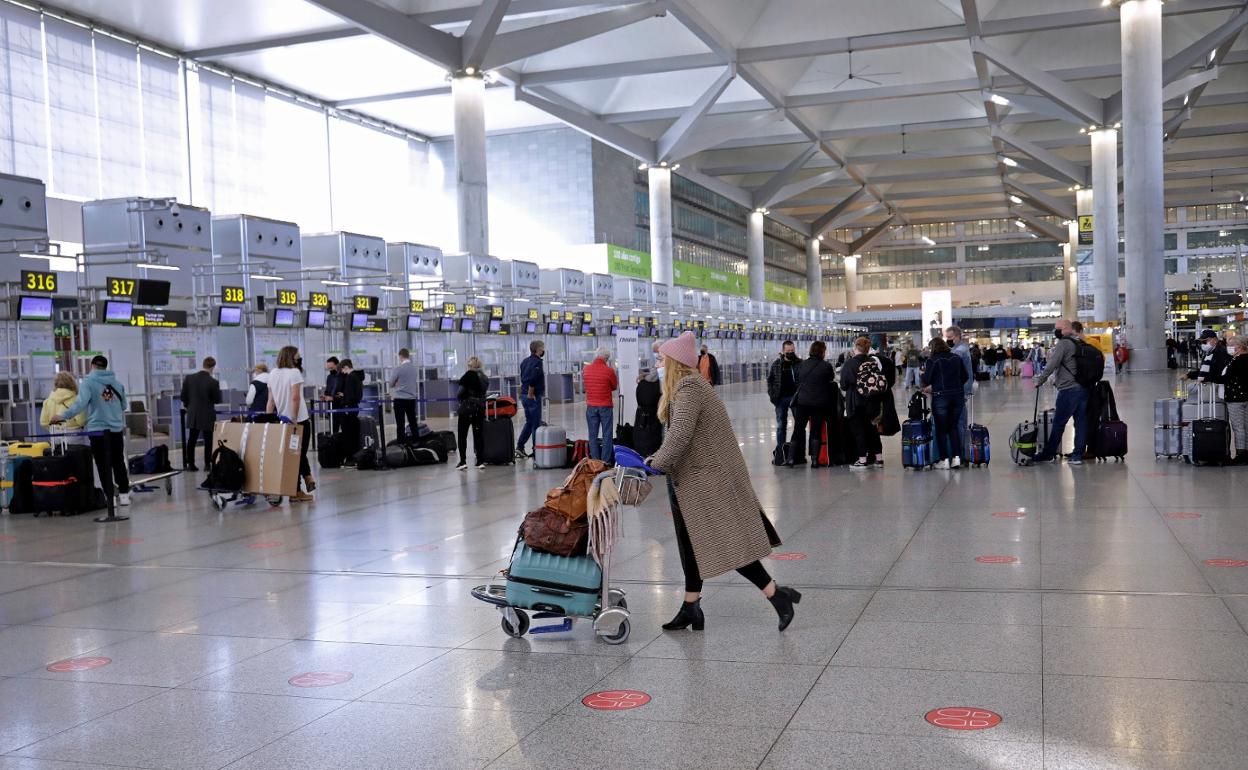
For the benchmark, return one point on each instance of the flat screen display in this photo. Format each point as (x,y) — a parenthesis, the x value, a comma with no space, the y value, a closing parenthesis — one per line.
(587,329)
(615,329)
(117,312)
(229,315)
(37,309)
(530,327)
(466,325)
(315,319)
(566,328)
(446,324)
(413,323)
(151,292)
(552,327)
(283,318)
(359,320)
(496,326)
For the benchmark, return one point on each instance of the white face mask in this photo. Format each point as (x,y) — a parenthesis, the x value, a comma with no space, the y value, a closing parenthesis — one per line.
(1208,347)
(1232,349)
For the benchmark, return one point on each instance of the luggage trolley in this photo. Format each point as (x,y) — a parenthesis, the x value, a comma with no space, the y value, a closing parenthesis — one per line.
(610,613)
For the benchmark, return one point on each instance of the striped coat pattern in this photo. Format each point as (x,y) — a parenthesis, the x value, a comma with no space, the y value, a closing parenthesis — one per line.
(708,472)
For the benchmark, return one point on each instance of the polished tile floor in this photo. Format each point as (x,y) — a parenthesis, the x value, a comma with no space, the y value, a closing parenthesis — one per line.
(1106,631)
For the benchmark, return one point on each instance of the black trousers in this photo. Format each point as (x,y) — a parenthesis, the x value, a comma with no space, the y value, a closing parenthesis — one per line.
(305,441)
(349,426)
(754,572)
(405,412)
(865,436)
(188,453)
(477,423)
(109,451)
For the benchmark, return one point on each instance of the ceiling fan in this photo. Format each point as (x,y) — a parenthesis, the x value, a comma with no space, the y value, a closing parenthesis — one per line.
(861,74)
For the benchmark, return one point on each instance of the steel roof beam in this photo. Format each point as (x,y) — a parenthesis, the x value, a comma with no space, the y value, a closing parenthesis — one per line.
(797,188)
(522,43)
(871,236)
(1050,160)
(764,196)
(673,144)
(614,136)
(1040,199)
(1041,227)
(1074,99)
(433,45)
(832,218)
(481,32)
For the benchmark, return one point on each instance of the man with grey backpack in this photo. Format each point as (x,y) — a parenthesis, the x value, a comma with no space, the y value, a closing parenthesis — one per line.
(1075,367)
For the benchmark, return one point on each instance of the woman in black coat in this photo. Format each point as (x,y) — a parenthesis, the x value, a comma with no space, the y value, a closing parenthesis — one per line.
(471,412)
(863,411)
(817,401)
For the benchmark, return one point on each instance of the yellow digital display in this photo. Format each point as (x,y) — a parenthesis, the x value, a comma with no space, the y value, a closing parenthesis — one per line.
(233,295)
(416,306)
(496,311)
(287,298)
(470,311)
(121,287)
(449,308)
(38,282)
(533,314)
(318,299)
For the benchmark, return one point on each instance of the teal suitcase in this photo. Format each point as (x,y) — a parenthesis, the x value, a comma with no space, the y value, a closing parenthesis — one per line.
(568,585)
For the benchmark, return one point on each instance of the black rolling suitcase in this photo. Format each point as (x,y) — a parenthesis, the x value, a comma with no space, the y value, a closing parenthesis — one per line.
(370,435)
(56,486)
(498,436)
(1211,436)
(329,450)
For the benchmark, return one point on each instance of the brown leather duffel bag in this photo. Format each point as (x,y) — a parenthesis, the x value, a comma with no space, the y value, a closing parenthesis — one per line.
(549,530)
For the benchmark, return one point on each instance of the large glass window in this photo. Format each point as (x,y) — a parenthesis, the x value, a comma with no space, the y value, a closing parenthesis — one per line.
(901,257)
(910,279)
(1026,250)
(23,128)
(72,109)
(1023,274)
(1214,239)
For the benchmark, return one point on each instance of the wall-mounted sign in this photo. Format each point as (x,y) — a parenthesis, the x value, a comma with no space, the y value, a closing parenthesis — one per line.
(318,299)
(496,311)
(38,282)
(287,298)
(365,304)
(470,311)
(449,308)
(416,306)
(1085,229)
(533,314)
(159,319)
(233,295)
(121,287)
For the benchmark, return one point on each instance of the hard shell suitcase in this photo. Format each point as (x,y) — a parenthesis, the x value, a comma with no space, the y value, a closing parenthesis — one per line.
(370,436)
(499,439)
(1168,411)
(817,447)
(35,449)
(1209,434)
(55,486)
(329,450)
(916,444)
(568,585)
(978,449)
(1028,369)
(1168,440)
(18,494)
(550,447)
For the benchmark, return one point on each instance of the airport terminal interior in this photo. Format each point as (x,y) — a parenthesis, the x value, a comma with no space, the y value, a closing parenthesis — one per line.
(273,228)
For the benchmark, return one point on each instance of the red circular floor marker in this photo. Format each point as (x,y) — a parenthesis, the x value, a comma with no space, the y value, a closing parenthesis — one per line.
(266,544)
(1182,515)
(1009,514)
(997,559)
(78,664)
(788,556)
(1226,563)
(320,678)
(615,700)
(962,718)
(125,541)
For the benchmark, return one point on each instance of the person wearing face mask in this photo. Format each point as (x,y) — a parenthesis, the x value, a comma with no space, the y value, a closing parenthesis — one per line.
(1235,378)
(532,388)
(781,385)
(1214,358)
(959,347)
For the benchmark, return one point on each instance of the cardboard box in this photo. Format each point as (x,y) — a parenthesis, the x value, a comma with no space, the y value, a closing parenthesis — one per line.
(270,453)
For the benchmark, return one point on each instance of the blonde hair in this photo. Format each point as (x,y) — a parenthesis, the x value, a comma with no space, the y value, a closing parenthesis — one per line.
(261,368)
(1236,339)
(673,372)
(65,380)
(474,363)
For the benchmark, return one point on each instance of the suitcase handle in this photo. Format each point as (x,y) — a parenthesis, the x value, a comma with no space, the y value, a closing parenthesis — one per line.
(65,483)
(549,592)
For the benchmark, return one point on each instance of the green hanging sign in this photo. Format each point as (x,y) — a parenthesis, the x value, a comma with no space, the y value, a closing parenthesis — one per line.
(628,263)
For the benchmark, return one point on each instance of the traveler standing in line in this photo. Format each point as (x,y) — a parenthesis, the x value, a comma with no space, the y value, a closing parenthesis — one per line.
(103,399)
(999,350)
(720,525)
(286,400)
(989,359)
(332,395)
(64,393)
(1235,378)
(781,385)
(351,386)
(708,367)
(957,346)
(1072,398)
(913,360)
(404,390)
(815,401)
(945,378)
(471,412)
(601,382)
(865,386)
(1215,358)
(200,395)
(258,389)
(532,389)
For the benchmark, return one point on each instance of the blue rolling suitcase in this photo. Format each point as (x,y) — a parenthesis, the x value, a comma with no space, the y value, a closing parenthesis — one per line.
(568,585)
(917,444)
(979,448)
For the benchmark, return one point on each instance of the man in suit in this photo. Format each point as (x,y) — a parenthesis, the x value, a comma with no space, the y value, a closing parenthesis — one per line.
(200,394)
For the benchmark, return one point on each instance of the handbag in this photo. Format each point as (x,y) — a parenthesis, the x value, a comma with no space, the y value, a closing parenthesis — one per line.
(550,531)
(570,498)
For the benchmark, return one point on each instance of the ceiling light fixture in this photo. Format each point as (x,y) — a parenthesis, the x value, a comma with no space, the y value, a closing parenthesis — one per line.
(1020,223)
(263,277)
(158,266)
(391,288)
(1016,200)
(325,282)
(1007,160)
(999,99)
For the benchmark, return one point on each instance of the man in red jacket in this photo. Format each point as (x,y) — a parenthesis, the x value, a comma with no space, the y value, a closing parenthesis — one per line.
(601,382)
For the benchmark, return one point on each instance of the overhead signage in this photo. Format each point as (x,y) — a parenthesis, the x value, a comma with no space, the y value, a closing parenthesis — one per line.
(589,318)
(159,319)
(365,303)
(233,295)
(416,306)
(373,325)
(287,297)
(121,287)
(533,314)
(318,299)
(1085,229)
(449,308)
(496,312)
(38,282)
(470,311)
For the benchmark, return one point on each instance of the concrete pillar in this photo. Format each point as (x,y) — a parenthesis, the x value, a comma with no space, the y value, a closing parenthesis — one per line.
(1105,224)
(851,284)
(1143,183)
(660,179)
(471,191)
(1070,272)
(754,250)
(814,273)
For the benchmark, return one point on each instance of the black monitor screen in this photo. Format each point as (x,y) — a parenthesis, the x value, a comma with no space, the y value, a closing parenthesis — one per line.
(230,315)
(150,292)
(117,312)
(446,324)
(552,327)
(566,328)
(316,319)
(283,318)
(587,329)
(530,327)
(37,309)
(466,325)
(496,326)
(413,323)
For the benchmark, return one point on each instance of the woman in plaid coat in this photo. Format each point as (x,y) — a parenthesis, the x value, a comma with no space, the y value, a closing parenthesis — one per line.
(720,525)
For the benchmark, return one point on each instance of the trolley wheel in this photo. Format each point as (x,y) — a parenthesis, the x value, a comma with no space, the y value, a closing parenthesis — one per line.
(218,502)
(622,603)
(620,636)
(518,630)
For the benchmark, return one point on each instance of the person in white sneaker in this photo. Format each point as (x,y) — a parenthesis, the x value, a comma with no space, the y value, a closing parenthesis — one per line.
(945,379)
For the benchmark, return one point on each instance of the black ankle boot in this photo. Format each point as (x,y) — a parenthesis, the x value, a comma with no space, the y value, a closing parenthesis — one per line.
(783,601)
(690,615)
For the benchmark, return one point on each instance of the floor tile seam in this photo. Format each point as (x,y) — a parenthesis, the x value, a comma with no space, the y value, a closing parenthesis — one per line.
(281,737)
(439,656)
(13,755)
(158,692)
(1192,557)
(92,569)
(951,740)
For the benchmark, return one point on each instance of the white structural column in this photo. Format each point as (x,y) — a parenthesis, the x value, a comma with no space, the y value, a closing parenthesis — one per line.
(471,191)
(1070,267)
(851,284)
(1143,188)
(814,274)
(754,250)
(1105,224)
(661,225)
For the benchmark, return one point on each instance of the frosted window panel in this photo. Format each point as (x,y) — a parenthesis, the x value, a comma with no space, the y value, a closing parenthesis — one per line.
(379,185)
(71,90)
(249,115)
(23,129)
(218,153)
(164,126)
(296,164)
(121,147)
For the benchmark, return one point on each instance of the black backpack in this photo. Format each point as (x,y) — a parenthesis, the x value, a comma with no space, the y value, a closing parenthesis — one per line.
(1089,367)
(228,474)
(154,460)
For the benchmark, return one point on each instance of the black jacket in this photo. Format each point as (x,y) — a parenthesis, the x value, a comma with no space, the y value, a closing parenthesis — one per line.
(473,385)
(333,386)
(352,388)
(715,376)
(782,378)
(947,375)
(1214,363)
(849,381)
(648,394)
(200,393)
(816,386)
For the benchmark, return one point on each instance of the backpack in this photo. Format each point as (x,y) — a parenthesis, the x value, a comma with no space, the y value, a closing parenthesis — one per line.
(228,474)
(870,380)
(154,460)
(1089,367)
